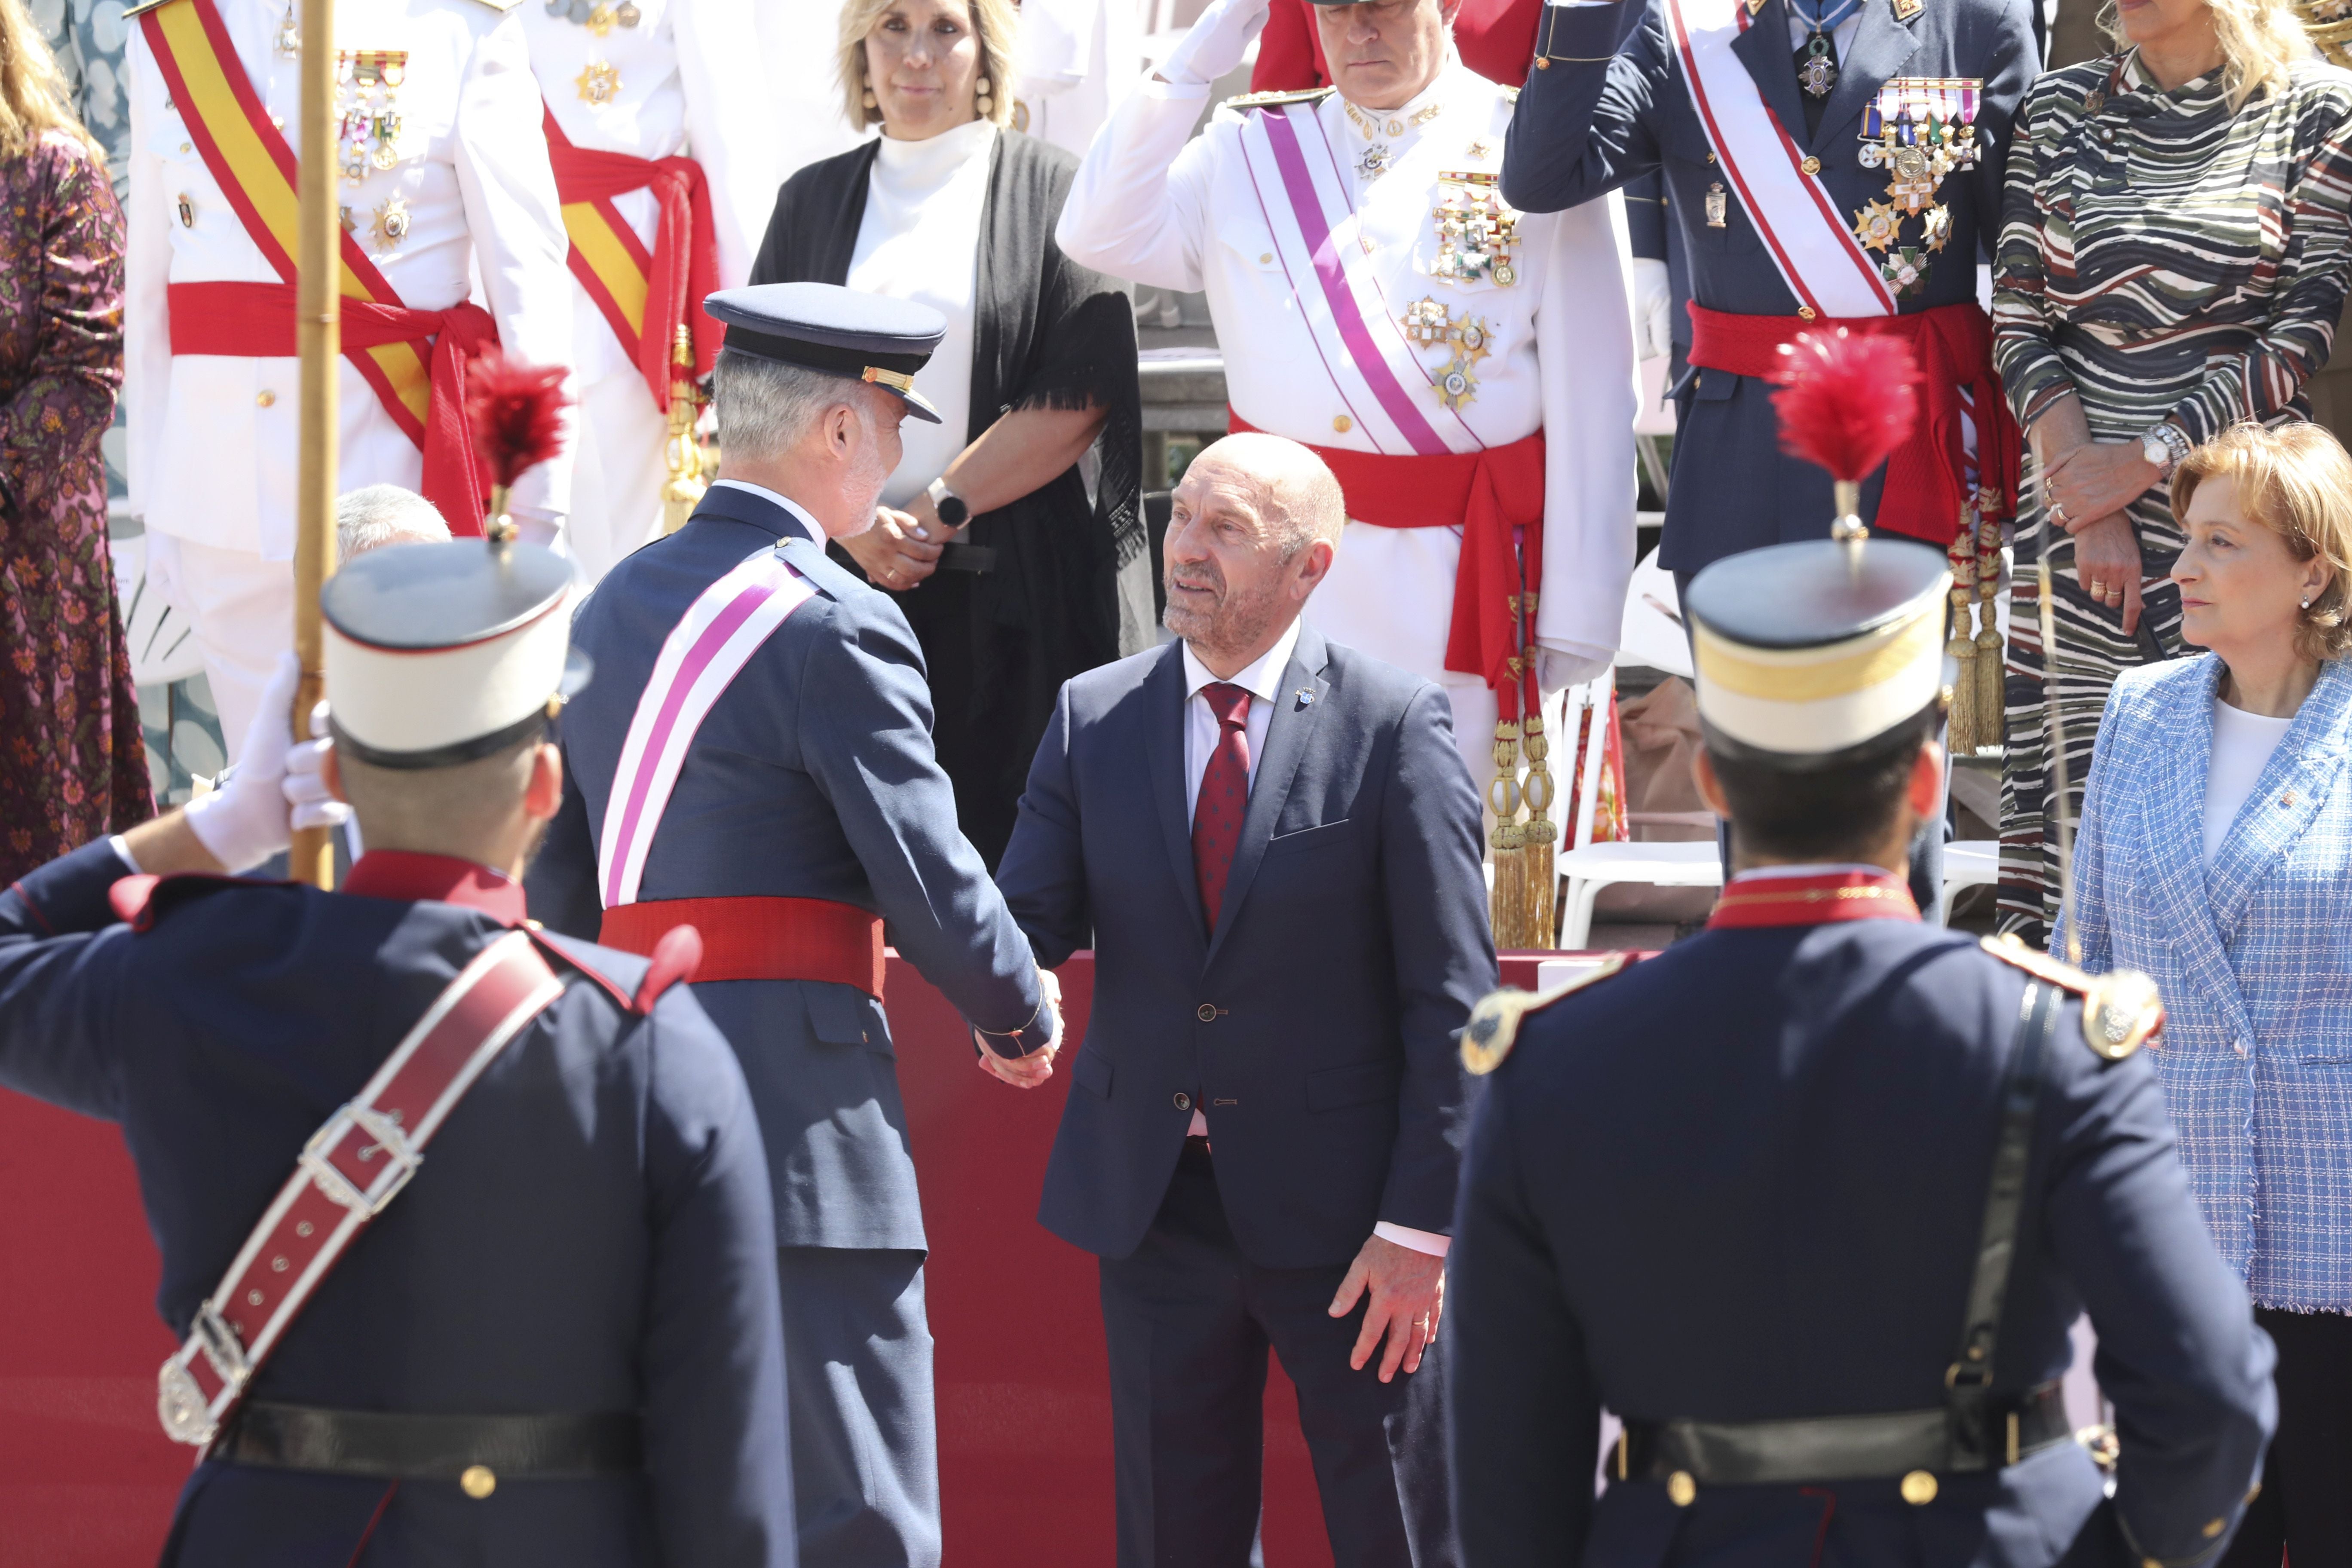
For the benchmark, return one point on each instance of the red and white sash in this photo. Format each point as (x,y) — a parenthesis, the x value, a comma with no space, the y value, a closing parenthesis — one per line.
(349,1170)
(700,659)
(1804,230)
(1308,208)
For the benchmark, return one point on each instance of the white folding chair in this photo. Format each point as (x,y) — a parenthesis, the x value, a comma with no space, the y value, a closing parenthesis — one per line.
(1585,866)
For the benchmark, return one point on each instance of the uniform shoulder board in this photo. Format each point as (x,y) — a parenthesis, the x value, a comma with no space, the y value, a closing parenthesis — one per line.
(141,8)
(139,902)
(1493,1026)
(2121,1011)
(1267,100)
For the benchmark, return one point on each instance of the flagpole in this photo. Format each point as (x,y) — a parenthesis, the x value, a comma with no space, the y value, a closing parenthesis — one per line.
(318,337)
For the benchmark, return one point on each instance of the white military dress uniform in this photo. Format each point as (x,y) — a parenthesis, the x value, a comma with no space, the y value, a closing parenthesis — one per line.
(1156,204)
(682,81)
(213,440)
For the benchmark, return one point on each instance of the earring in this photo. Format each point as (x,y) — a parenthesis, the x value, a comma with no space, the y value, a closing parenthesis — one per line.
(979,97)
(865,87)
(2306,603)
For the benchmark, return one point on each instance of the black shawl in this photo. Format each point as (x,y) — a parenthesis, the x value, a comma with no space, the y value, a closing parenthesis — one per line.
(1072,587)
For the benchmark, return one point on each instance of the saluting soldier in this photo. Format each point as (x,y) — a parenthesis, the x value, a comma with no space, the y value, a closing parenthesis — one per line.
(432,1309)
(440,170)
(1810,1199)
(661,134)
(755,758)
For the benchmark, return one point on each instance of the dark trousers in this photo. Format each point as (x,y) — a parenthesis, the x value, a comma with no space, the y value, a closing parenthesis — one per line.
(1189,1321)
(857,1369)
(2305,1511)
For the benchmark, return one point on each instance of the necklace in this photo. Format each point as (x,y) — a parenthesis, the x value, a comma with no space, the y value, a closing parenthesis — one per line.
(1817,65)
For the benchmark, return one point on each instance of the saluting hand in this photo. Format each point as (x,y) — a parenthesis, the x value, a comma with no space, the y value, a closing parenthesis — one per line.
(1408,1297)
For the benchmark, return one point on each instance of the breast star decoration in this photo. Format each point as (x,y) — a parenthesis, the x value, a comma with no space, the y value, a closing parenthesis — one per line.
(1428,324)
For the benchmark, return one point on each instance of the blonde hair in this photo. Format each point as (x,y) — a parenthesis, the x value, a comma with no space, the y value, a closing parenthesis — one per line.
(2260,40)
(2296,481)
(995,21)
(34,95)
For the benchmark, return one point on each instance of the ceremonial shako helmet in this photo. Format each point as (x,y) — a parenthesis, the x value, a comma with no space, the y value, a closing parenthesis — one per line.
(1809,654)
(840,331)
(439,654)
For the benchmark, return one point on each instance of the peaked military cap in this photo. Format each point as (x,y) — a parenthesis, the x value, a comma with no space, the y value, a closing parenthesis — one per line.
(439,654)
(842,331)
(1808,653)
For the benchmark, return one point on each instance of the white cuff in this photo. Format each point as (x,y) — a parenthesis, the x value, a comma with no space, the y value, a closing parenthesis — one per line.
(1418,1240)
(123,853)
(1182,91)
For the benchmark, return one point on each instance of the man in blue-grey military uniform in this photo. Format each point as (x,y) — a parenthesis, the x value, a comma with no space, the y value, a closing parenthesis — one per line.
(433,1311)
(1811,1198)
(755,758)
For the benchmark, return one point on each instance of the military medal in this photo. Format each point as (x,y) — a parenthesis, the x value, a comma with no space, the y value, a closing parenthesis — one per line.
(368,126)
(390,223)
(1426,322)
(1877,225)
(1817,66)
(599,84)
(1718,205)
(187,210)
(1373,161)
(1431,325)
(1476,232)
(1921,131)
(289,36)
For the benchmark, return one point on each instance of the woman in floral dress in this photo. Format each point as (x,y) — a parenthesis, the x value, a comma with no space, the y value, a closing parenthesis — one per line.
(72,762)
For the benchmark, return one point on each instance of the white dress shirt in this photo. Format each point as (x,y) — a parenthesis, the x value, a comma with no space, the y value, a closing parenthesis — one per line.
(1263,680)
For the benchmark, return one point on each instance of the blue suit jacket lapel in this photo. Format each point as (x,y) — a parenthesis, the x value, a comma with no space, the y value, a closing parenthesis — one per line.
(2174,852)
(1881,44)
(2286,797)
(1764,50)
(1287,735)
(1163,758)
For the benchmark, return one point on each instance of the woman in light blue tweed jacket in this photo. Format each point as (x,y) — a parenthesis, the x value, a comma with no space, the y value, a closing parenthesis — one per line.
(2215,853)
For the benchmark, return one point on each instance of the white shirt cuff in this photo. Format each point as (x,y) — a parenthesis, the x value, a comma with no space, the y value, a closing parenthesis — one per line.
(1418,1240)
(123,853)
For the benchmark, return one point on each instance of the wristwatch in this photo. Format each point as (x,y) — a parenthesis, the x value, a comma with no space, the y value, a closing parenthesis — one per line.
(2164,444)
(948,504)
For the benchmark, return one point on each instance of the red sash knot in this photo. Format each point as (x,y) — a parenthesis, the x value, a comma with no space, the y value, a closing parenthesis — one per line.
(1927,476)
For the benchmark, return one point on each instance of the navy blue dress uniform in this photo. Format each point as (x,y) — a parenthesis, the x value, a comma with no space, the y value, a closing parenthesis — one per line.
(555,1345)
(1810,1199)
(809,799)
(1792,236)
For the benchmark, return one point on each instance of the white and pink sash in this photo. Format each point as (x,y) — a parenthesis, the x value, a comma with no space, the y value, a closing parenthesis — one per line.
(700,659)
(1802,227)
(1307,206)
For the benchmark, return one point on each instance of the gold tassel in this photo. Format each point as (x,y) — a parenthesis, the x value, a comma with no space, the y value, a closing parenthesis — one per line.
(1506,906)
(1992,696)
(1542,887)
(685,490)
(1961,650)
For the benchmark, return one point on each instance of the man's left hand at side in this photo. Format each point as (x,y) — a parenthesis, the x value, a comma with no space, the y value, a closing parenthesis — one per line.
(1408,1296)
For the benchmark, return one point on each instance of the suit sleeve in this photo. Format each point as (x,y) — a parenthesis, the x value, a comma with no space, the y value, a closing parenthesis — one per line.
(713,1354)
(1138,207)
(1586,123)
(865,739)
(1445,957)
(62,972)
(562,878)
(1044,872)
(1523,1411)
(2178,1354)
(1645,216)
(146,293)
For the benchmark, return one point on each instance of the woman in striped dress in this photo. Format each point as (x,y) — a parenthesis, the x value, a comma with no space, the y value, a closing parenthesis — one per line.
(2172,260)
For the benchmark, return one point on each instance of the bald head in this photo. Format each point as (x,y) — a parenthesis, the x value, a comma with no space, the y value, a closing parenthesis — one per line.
(1252,529)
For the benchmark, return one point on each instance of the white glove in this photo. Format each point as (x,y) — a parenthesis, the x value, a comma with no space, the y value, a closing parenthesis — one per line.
(1654,300)
(305,792)
(244,822)
(1216,43)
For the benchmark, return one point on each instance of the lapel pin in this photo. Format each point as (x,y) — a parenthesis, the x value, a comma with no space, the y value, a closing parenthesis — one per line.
(1306,697)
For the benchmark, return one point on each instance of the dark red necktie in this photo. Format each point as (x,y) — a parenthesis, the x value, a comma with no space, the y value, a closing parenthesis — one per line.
(1225,797)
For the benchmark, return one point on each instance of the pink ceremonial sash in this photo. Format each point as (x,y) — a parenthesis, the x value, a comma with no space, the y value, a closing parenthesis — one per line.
(1305,199)
(1803,230)
(700,659)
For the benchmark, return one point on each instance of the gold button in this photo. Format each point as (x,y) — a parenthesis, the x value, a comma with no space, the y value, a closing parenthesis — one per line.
(1342,424)
(1543,65)
(1812,166)
(1806,312)
(1264,257)
(478,1481)
(1710,157)
(186,148)
(2216,1528)
(267,398)
(1918,1488)
(1681,1491)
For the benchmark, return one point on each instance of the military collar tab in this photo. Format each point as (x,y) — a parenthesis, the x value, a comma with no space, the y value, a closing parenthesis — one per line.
(1820,898)
(413,878)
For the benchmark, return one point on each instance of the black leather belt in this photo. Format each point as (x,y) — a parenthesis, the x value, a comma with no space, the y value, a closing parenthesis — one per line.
(435,1448)
(1827,1447)
(967,558)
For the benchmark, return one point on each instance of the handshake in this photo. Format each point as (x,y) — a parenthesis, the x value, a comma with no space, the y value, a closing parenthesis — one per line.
(1029,1071)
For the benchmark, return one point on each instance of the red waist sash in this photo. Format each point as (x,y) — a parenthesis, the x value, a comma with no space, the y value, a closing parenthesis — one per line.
(255,320)
(760,938)
(1496,498)
(1926,482)
(1822,898)
(672,280)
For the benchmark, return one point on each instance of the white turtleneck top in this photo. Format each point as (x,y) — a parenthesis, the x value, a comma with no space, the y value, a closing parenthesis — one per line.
(919,240)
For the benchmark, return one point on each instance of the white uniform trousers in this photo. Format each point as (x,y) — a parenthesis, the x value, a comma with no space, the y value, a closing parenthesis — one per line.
(241,608)
(618,473)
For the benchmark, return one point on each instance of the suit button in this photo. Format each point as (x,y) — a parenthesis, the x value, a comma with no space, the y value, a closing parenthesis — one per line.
(1806,311)
(478,1481)
(1342,424)
(1206,1012)
(1681,1491)
(1918,1488)
(266,399)
(1183,1100)
(1812,166)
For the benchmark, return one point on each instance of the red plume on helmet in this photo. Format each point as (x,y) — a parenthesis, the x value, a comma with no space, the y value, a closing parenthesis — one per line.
(515,409)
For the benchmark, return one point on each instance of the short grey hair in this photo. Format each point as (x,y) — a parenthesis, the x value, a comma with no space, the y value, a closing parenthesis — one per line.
(379,515)
(766,407)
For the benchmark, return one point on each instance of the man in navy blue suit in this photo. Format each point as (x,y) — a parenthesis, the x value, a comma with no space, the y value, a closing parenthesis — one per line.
(1273,847)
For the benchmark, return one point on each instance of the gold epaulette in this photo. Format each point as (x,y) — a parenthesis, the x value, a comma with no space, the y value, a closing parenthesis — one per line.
(141,8)
(2121,1011)
(1494,1022)
(1266,100)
